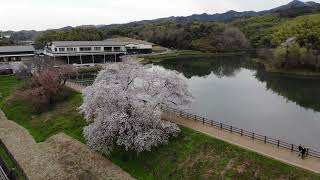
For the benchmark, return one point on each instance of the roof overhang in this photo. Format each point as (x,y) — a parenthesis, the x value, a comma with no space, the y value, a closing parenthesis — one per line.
(16,55)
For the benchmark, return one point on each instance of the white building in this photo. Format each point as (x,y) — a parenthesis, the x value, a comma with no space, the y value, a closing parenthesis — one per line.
(85,52)
(138,48)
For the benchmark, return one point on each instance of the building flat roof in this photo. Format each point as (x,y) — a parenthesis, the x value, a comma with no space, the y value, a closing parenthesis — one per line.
(14,49)
(127,40)
(86,43)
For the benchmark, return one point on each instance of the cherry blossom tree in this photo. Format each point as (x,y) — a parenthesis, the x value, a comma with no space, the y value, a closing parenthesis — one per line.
(123,105)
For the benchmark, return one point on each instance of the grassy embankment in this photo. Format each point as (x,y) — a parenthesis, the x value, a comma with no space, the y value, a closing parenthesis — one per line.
(185,53)
(190,156)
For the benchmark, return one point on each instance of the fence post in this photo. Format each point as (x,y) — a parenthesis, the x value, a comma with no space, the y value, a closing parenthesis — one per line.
(292,148)
(231,129)
(253,135)
(278,143)
(241,132)
(203,120)
(265,139)
(195,117)
(211,123)
(307,153)
(221,126)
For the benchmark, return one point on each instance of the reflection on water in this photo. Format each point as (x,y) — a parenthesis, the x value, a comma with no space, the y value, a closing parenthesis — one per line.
(232,90)
(203,65)
(303,91)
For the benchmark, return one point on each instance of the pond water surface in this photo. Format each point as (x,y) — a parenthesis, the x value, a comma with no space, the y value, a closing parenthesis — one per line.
(234,91)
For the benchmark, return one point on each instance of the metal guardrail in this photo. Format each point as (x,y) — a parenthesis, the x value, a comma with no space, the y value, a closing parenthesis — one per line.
(81,83)
(3,174)
(17,165)
(241,132)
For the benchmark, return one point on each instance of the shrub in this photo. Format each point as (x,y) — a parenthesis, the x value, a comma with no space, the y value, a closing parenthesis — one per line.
(46,86)
(293,56)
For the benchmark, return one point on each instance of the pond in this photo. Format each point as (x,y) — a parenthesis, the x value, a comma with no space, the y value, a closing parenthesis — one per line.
(233,90)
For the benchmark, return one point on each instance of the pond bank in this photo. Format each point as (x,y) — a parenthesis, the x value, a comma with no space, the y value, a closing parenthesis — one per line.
(184,53)
(290,72)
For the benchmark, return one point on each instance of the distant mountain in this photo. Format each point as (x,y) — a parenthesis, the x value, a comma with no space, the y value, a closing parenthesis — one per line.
(295,4)
(231,15)
(212,17)
(291,9)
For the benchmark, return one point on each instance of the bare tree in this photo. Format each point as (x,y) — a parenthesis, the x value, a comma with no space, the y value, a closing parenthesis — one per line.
(233,38)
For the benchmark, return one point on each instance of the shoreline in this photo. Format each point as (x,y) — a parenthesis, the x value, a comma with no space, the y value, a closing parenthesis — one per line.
(301,73)
(188,53)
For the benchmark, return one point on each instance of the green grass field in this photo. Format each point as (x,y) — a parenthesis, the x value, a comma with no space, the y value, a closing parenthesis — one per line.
(192,155)
(61,117)
(185,54)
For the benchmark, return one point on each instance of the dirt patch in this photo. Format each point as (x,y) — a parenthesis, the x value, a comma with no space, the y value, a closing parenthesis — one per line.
(242,168)
(202,162)
(227,167)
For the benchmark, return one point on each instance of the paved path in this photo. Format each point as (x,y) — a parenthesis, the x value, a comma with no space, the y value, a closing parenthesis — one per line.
(76,87)
(58,158)
(281,154)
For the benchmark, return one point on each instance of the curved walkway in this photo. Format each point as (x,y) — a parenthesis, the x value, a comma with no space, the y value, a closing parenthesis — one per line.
(58,158)
(281,154)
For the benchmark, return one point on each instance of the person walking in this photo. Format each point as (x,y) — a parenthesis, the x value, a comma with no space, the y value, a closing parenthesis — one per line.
(303,153)
(300,150)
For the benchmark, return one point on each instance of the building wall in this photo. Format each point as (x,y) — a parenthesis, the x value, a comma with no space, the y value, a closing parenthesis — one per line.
(122,48)
(138,46)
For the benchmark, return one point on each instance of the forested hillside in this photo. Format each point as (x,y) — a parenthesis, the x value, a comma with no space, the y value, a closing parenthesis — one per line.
(272,30)
(196,35)
(305,28)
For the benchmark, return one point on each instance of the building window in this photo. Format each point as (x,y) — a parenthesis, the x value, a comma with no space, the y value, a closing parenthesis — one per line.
(61,49)
(71,49)
(108,49)
(117,48)
(55,49)
(97,48)
(85,49)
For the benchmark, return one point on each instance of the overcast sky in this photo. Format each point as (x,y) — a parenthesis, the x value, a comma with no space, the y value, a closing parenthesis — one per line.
(49,14)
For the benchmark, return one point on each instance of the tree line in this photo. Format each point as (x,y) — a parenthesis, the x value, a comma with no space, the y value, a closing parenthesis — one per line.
(196,35)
